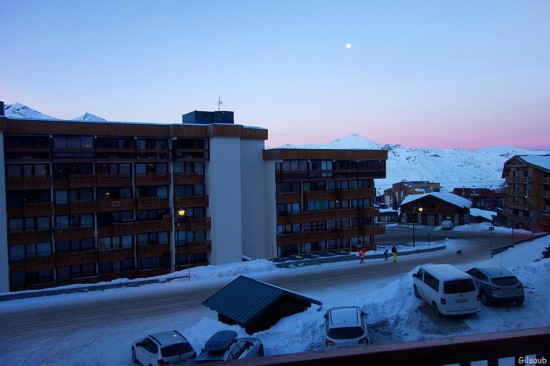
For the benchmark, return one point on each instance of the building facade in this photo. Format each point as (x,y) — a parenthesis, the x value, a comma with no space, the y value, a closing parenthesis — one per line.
(482,198)
(527,189)
(88,202)
(396,194)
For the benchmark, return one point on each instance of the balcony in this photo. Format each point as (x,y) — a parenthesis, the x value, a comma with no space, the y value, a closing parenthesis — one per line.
(82,181)
(195,248)
(148,203)
(191,201)
(463,350)
(117,204)
(188,178)
(153,179)
(74,233)
(113,180)
(78,207)
(40,263)
(190,223)
(360,193)
(28,182)
(29,237)
(74,258)
(115,255)
(141,227)
(37,209)
(288,197)
(148,251)
(320,196)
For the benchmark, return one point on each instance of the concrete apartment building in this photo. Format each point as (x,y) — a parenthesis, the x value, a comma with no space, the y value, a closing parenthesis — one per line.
(527,189)
(88,202)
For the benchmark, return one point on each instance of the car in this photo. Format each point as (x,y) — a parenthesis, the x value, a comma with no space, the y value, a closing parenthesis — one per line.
(224,346)
(164,348)
(448,290)
(346,326)
(497,285)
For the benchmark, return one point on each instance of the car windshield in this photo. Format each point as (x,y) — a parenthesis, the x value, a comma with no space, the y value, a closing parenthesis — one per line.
(176,349)
(505,281)
(459,286)
(345,333)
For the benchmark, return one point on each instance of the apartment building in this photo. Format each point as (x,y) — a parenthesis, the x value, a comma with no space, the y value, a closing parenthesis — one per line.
(527,189)
(88,202)
(396,194)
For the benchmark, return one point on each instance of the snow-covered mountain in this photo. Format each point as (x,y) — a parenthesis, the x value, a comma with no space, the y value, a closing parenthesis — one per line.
(23,112)
(453,168)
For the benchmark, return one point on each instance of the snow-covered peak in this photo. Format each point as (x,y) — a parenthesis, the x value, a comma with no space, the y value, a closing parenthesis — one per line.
(21,111)
(88,117)
(352,141)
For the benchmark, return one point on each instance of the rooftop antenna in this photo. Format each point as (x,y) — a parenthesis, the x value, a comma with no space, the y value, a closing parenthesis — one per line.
(219,103)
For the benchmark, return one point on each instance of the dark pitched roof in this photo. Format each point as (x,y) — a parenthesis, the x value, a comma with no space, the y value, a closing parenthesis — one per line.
(245,300)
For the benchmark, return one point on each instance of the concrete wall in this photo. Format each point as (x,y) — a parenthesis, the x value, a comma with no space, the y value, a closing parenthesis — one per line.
(270,215)
(4,263)
(223,186)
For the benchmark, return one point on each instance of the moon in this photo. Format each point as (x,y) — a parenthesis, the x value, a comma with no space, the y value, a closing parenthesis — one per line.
(348,45)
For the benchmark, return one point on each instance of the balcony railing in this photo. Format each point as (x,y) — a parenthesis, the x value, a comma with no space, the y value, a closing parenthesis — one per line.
(463,350)
(38,209)
(191,201)
(190,223)
(29,182)
(116,204)
(148,203)
(82,181)
(78,207)
(113,180)
(153,179)
(148,251)
(188,178)
(73,233)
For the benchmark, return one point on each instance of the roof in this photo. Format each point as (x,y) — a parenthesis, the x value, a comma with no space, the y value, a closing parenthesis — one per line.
(541,161)
(476,212)
(444,196)
(245,300)
(345,316)
(220,341)
(169,337)
(445,271)
(495,271)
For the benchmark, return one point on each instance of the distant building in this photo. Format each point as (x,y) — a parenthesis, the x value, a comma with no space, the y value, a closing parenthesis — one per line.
(482,198)
(432,208)
(395,195)
(95,201)
(527,202)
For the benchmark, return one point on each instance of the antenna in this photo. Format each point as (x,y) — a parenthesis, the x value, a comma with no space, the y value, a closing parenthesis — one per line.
(219,103)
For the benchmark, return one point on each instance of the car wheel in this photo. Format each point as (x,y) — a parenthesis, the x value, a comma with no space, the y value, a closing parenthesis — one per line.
(520,302)
(261,351)
(416,292)
(134,359)
(485,300)
(436,309)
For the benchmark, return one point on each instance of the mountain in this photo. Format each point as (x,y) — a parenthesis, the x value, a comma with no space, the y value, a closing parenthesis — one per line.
(88,117)
(452,168)
(21,111)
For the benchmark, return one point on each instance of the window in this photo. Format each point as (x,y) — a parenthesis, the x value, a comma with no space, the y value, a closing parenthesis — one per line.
(61,197)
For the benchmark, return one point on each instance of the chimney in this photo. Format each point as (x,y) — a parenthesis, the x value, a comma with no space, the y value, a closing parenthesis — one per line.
(1,109)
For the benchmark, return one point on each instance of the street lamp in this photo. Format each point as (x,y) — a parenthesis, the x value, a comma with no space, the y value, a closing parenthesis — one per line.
(416,218)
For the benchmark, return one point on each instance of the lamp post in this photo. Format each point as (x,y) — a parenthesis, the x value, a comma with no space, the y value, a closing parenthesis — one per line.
(416,218)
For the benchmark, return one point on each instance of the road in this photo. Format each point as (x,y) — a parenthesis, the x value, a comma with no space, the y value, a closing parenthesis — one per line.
(36,325)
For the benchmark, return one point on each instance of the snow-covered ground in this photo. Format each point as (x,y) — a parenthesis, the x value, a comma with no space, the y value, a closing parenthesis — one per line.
(395,314)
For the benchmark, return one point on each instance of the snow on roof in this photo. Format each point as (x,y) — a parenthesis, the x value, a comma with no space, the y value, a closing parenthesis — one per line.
(482,213)
(444,196)
(542,161)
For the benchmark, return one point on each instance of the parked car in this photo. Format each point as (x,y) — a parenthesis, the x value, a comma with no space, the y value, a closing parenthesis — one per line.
(224,346)
(447,224)
(448,290)
(164,348)
(497,285)
(346,326)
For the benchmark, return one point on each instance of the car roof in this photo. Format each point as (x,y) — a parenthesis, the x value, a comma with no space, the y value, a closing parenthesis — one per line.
(345,316)
(494,271)
(445,272)
(220,341)
(169,337)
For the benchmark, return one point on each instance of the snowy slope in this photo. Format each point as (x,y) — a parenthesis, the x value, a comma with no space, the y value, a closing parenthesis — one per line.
(21,111)
(453,168)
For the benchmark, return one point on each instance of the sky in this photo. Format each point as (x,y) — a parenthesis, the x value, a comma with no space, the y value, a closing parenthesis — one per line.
(394,314)
(418,73)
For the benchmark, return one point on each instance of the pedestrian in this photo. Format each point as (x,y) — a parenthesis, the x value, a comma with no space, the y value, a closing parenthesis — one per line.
(394,253)
(362,255)
(386,255)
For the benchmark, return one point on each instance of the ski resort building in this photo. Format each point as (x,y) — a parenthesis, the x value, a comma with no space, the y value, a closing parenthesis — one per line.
(88,202)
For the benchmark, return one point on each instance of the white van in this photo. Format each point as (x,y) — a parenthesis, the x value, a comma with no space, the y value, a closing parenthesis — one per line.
(447,289)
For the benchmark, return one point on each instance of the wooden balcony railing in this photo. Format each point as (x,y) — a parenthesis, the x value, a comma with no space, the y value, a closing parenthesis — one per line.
(191,201)
(115,255)
(116,204)
(188,178)
(194,248)
(141,227)
(74,258)
(152,179)
(38,209)
(359,193)
(73,233)
(29,237)
(148,251)
(29,182)
(462,350)
(82,181)
(190,223)
(113,180)
(78,207)
(148,203)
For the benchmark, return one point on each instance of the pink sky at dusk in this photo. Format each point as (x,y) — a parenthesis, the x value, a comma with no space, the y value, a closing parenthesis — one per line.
(418,73)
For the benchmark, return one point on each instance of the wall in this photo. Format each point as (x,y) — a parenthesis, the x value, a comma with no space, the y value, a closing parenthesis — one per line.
(253,202)
(4,266)
(223,185)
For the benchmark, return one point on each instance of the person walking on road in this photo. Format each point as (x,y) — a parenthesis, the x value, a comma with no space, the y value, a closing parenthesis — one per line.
(362,255)
(394,253)
(386,255)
